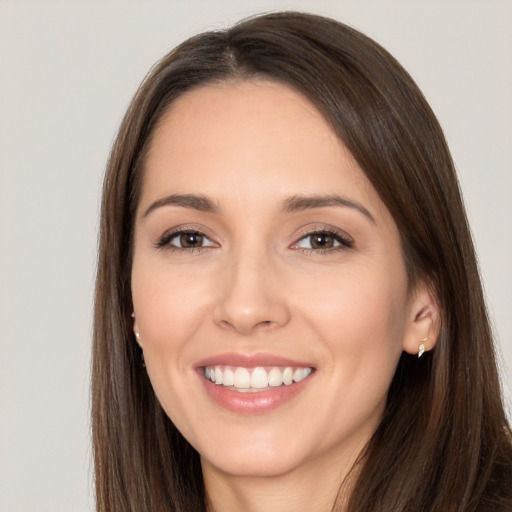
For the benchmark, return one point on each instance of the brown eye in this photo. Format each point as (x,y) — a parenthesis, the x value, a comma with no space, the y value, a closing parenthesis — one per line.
(186,240)
(190,240)
(322,241)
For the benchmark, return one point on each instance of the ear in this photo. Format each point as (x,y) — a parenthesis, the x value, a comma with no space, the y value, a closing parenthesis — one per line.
(136,330)
(423,320)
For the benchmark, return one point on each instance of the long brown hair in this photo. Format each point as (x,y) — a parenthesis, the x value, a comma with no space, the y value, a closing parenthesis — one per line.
(444,443)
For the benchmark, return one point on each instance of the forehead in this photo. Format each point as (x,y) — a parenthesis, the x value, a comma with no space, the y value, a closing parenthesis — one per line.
(250,138)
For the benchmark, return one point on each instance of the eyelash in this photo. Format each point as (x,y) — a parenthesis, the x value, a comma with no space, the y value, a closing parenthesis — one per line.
(165,241)
(342,239)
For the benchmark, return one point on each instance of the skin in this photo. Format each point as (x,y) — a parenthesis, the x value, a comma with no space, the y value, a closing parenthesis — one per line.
(256,285)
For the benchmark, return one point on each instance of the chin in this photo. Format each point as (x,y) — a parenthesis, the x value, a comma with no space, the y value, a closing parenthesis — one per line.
(250,465)
(257,453)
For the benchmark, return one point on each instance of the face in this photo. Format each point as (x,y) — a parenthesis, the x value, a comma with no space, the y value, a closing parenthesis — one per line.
(265,261)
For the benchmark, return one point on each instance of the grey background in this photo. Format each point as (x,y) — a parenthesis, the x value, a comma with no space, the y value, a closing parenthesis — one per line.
(68,70)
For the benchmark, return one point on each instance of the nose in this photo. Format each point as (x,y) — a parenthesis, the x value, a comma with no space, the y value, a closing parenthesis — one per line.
(252,297)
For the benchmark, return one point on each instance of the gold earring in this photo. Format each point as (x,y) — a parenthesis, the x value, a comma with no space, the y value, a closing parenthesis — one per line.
(421,348)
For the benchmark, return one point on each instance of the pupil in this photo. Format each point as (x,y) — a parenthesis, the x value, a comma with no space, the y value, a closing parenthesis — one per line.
(321,241)
(191,240)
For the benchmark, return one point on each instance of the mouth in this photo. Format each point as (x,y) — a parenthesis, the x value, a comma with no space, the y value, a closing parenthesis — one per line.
(253,384)
(255,380)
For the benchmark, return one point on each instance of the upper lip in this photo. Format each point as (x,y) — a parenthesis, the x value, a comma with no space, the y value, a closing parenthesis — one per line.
(250,360)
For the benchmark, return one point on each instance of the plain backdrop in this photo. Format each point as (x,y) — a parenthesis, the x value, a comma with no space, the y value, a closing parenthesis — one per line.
(68,70)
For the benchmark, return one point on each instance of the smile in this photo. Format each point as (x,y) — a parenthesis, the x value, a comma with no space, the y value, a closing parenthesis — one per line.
(251,384)
(257,379)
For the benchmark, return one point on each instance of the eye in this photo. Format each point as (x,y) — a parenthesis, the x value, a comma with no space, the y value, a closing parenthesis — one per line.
(186,240)
(323,241)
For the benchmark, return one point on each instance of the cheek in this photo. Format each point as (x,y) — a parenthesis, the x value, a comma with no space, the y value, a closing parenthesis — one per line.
(169,304)
(361,326)
(361,317)
(169,311)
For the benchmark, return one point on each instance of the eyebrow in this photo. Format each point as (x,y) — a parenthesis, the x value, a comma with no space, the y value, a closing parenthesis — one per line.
(300,203)
(292,204)
(192,201)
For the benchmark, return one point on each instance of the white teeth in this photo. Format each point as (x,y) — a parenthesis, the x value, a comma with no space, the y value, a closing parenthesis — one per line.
(229,378)
(242,379)
(300,374)
(259,378)
(288,376)
(275,377)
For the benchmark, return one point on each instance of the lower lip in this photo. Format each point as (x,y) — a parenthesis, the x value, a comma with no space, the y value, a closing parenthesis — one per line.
(253,403)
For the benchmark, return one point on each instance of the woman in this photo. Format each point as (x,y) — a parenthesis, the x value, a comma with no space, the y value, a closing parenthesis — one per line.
(288,309)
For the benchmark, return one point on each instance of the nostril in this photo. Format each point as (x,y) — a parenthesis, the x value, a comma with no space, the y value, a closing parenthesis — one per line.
(263,324)
(226,325)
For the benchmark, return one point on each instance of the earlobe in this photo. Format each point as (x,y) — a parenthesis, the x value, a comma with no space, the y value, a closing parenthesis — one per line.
(423,322)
